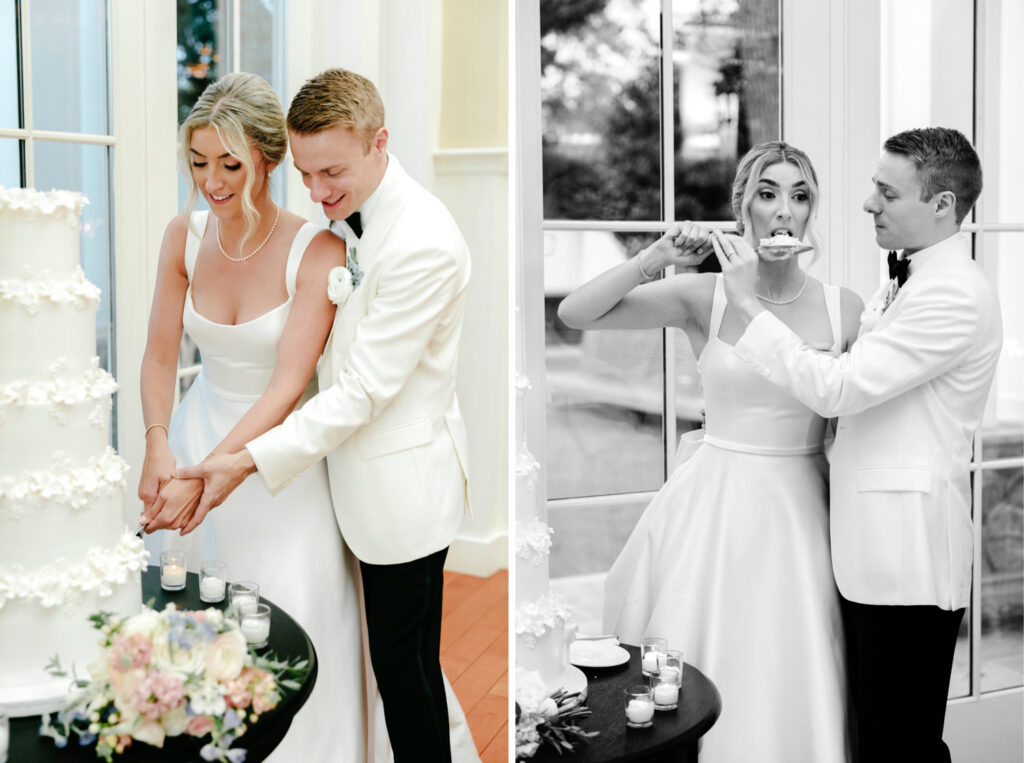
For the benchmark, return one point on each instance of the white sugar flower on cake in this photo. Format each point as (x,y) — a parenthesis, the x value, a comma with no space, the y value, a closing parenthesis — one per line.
(533,541)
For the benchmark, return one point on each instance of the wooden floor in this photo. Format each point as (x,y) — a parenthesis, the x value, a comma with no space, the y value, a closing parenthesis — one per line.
(474,655)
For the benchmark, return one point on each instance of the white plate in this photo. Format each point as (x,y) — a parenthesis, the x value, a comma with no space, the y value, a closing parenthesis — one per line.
(597,654)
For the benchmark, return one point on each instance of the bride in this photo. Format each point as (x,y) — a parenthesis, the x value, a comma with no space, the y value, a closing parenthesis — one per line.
(730,561)
(247,281)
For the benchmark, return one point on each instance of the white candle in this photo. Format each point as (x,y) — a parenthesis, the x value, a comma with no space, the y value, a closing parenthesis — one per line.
(211,589)
(640,710)
(172,576)
(666,694)
(255,631)
(650,662)
(669,673)
(244,602)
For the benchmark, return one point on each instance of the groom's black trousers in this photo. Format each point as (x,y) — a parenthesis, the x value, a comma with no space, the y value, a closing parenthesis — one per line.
(403,620)
(899,660)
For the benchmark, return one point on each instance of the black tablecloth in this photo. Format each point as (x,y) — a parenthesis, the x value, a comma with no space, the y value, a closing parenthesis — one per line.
(674,735)
(287,640)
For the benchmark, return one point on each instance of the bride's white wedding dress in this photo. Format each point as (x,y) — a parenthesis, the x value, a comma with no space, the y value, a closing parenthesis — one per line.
(730,562)
(289,543)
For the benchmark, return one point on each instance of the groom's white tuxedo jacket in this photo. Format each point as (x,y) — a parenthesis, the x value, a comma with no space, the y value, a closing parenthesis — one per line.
(386,417)
(910,393)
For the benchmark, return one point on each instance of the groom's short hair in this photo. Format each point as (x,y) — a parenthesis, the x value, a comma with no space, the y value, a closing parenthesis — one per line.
(945,161)
(337,97)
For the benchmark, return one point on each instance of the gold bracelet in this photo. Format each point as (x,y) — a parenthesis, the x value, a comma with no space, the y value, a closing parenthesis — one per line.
(151,426)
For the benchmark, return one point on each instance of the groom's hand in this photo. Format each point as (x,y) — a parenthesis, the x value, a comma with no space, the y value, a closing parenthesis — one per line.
(221,474)
(173,506)
(739,273)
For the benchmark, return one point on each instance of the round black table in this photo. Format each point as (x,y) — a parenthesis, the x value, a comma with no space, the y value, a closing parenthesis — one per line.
(674,735)
(287,640)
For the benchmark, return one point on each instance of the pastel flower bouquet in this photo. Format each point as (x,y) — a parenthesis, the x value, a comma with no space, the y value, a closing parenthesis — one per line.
(164,674)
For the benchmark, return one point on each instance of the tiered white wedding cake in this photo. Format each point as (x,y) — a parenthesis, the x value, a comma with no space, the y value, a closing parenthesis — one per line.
(542,632)
(64,550)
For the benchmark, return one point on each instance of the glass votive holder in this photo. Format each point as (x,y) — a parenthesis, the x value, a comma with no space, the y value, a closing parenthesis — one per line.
(650,649)
(5,734)
(243,595)
(667,682)
(173,565)
(212,581)
(639,706)
(255,624)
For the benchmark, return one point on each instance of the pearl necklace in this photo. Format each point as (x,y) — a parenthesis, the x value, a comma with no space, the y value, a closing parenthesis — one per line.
(789,301)
(250,254)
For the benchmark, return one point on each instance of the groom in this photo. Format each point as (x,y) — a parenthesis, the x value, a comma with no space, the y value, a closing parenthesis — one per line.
(386,417)
(910,395)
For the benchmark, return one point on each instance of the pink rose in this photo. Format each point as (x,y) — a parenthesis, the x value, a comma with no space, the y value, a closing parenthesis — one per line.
(199,725)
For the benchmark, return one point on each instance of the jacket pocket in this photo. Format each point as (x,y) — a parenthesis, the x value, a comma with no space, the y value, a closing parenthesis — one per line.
(403,437)
(894,480)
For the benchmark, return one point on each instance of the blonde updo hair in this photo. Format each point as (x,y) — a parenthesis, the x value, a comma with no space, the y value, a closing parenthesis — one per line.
(244,110)
(752,166)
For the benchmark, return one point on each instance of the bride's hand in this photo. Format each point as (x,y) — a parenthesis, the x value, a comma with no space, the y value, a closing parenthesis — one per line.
(175,505)
(157,470)
(684,245)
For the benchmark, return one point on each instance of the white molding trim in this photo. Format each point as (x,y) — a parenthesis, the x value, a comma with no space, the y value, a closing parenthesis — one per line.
(478,556)
(471,161)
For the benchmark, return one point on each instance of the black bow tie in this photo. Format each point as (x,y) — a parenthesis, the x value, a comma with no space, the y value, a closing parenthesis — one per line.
(899,268)
(355,222)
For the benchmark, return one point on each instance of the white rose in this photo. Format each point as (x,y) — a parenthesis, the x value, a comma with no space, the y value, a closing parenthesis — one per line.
(176,661)
(145,622)
(530,690)
(149,732)
(548,708)
(339,285)
(225,656)
(174,721)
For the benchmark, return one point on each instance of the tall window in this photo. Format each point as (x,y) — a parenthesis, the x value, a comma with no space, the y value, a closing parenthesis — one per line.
(217,37)
(646,108)
(55,124)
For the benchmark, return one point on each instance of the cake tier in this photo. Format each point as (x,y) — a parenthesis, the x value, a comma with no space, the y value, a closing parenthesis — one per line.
(56,513)
(71,414)
(541,640)
(33,630)
(46,326)
(39,230)
(533,544)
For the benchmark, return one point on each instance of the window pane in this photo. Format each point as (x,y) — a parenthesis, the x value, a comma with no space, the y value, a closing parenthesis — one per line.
(927,65)
(604,388)
(1003,426)
(69,65)
(1003,114)
(198,51)
(600,91)
(726,65)
(86,169)
(1002,579)
(10,163)
(9,68)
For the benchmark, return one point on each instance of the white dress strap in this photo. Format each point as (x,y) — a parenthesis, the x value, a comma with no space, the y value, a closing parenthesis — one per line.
(835,314)
(718,303)
(299,245)
(198,221)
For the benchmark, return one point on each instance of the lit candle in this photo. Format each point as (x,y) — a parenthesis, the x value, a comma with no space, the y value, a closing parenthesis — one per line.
(640,710)
(669,673)
(172,576)
(244,602)
(211,589)
(666,694)
(256,631)
(650,662)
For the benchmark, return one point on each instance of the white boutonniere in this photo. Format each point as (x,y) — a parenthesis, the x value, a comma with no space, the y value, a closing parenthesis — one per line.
(872,313)
(342,281)
(339,285)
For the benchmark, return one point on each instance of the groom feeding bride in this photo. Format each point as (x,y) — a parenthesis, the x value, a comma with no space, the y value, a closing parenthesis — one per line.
(386,417)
